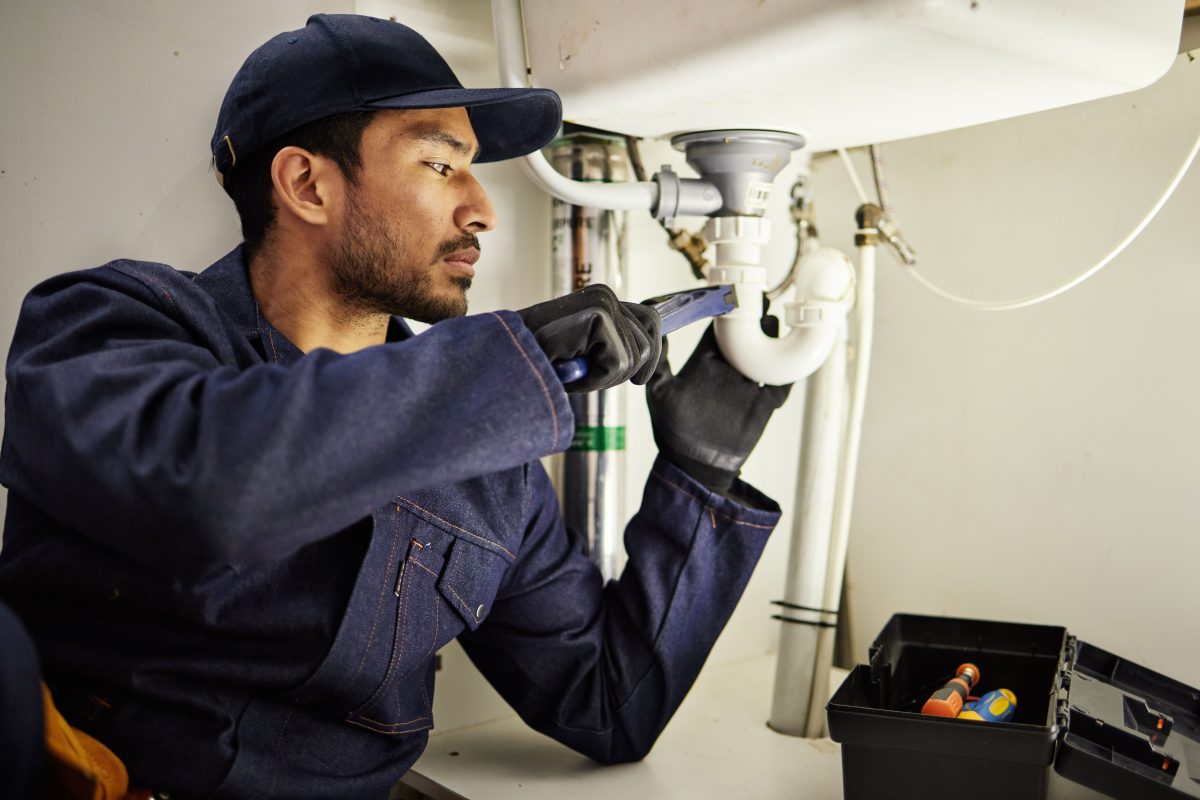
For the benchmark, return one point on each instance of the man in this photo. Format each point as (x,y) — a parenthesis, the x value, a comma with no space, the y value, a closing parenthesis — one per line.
(248,506)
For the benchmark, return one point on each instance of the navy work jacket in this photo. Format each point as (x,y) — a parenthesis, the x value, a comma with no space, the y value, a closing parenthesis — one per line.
(238,560)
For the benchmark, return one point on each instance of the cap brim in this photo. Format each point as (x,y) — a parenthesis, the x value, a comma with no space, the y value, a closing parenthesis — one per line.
(507,122)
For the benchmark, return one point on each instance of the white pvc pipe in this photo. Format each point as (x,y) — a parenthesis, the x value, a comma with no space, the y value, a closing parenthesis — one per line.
(627,196)
(863,324)
(514,73)
(824,280)
(808,556)
(773,361)
(510,43)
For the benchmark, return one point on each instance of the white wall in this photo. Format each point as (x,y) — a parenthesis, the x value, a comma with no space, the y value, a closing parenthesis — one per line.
(997,449)
(106,110)
(1039,465)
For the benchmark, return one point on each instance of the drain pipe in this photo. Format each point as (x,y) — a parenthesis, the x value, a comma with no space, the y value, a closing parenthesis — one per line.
(742,164)
(825,499)
(666,197)
(514,73)
(824,280)
(803,614)
(862,334)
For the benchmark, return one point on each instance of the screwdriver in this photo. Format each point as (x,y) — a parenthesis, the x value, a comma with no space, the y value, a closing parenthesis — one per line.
(948,700)
(998,705)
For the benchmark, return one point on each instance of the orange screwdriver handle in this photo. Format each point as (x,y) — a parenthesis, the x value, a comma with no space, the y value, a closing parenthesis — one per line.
(948,700)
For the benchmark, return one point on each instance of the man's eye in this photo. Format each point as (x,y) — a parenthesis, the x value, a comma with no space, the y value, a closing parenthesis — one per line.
(441,169)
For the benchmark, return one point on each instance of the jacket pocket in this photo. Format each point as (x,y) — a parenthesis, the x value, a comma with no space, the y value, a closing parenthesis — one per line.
(469,583)
(402,701)
(447,583)
(423,580)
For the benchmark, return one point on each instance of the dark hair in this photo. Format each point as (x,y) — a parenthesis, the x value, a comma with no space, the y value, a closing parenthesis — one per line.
(338,138)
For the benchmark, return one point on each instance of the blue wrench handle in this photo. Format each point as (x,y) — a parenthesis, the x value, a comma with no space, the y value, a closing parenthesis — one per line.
(572,370)
(676,310)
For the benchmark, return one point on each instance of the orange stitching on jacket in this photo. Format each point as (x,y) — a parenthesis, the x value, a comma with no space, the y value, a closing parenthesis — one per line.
(536,374)
(161,287)
(734,520)
(387,580)
(462,602)
(416,563)
(385,724)
(397,640)
(457,528)
(437,623)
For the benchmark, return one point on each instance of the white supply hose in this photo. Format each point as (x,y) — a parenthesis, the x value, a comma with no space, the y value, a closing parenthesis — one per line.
(853,173)
(1010,305)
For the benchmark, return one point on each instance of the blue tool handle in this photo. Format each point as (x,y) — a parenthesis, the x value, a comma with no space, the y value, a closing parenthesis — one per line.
(675,311)
(572,370)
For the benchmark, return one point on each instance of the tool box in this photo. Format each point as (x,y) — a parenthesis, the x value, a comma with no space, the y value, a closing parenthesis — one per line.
(1100,720)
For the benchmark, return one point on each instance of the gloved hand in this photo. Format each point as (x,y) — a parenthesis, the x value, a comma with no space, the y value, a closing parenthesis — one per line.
(708,418)
(620,341)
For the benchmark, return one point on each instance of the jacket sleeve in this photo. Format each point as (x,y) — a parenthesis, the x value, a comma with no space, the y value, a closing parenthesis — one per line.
(128,422)
(603,668)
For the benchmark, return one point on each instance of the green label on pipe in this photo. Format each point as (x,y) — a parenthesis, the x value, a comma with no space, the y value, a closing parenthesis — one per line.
(592,439)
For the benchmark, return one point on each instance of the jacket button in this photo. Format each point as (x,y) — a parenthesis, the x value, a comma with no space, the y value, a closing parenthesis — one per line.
(479,612)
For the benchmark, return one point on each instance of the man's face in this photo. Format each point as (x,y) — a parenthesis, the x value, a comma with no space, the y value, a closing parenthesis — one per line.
(406,244)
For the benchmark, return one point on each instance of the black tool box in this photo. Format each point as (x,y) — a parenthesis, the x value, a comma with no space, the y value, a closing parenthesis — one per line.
(1102,721)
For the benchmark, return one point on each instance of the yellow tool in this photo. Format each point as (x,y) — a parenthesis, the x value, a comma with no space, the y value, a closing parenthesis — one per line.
(995,706)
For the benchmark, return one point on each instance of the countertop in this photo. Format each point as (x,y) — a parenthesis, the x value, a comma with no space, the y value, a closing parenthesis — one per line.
(717,745)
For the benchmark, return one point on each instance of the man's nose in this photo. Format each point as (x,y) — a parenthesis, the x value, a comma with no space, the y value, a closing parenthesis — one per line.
(475,213)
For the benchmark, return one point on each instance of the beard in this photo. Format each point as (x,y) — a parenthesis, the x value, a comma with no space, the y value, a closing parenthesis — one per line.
(368,279)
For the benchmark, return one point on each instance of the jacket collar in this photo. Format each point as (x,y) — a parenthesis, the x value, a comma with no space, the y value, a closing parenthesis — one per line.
(228,283)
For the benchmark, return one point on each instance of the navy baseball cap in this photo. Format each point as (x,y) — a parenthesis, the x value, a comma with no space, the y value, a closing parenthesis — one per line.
(347,62)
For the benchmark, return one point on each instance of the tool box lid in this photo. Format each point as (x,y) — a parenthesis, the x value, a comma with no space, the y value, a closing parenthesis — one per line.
(1126,730)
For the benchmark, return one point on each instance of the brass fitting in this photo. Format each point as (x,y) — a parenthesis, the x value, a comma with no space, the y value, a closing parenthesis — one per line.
(692,246)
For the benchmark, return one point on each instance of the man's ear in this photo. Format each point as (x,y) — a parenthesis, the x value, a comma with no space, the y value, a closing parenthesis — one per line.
(307,186)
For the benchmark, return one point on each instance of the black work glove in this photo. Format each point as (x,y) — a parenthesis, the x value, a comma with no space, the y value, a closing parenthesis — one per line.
(708,418)
(620,341)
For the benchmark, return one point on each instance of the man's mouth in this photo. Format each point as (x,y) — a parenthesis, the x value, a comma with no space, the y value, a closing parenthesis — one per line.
(463,260)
